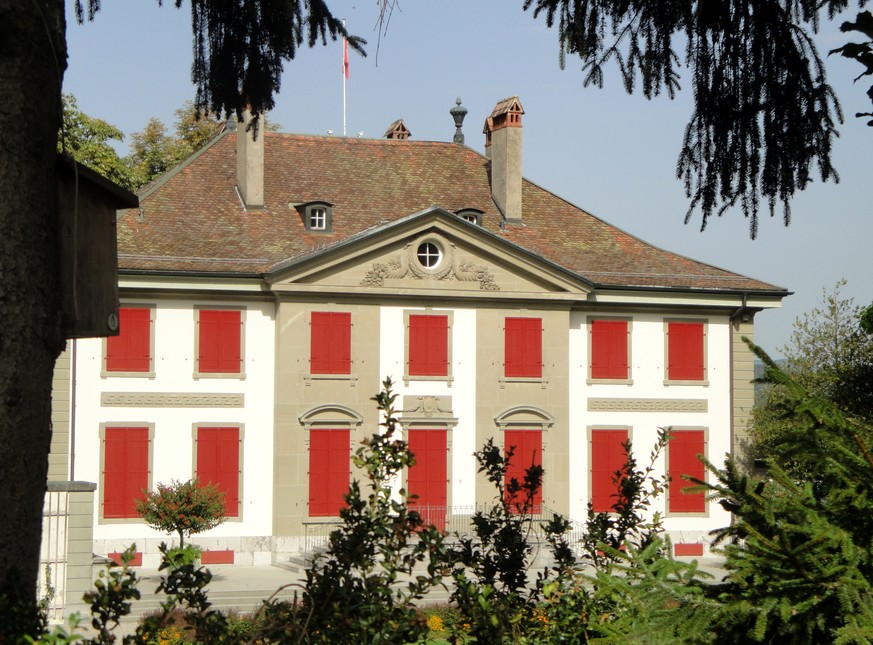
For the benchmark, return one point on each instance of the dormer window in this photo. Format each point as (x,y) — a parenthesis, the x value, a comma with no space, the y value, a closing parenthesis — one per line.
(317,216)
(472,215)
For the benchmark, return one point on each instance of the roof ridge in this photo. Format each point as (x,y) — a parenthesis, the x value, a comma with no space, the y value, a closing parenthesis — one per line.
(151,187)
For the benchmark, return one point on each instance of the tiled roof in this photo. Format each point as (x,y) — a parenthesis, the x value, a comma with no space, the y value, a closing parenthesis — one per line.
(193,219)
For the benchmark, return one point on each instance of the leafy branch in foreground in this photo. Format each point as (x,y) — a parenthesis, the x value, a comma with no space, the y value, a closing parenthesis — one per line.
(800,552)
(861,52)
(764,114)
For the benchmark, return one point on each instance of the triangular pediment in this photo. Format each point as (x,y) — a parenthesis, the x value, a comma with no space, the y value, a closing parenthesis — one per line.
(430,252)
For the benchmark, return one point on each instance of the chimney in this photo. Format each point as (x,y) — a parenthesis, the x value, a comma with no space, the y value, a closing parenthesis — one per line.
(398,130)
(503,132)
(250,162)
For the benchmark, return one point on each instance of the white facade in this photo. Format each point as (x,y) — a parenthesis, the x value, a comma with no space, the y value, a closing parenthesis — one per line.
(174,425)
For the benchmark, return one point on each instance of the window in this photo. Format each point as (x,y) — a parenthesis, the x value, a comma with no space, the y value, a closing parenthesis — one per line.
(609,341)
(685,351)
(682,459)
(429,255)
(608,457)
(471,215)
(330,343)
(427,479)
(126,456)
(329,471)
(527,446)
(219,345)
(318,219)
(218,452)
(131,350)
(428,345)
(317,216)
(523,347)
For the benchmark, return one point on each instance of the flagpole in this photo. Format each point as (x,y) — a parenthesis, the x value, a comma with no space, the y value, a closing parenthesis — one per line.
(345,75)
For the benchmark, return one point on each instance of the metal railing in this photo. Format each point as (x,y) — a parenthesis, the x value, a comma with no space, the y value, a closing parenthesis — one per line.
(454,520)
(52,581)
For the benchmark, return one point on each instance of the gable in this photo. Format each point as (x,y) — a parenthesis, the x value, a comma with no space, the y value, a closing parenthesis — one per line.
(431,252)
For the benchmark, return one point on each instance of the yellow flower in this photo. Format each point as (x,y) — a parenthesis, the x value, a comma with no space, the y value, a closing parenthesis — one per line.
(435,623)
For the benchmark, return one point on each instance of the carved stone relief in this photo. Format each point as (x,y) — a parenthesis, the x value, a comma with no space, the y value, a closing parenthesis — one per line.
(451,267)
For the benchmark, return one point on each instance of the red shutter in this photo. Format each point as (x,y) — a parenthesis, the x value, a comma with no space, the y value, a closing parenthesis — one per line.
(427,478)
(523,347)
(329,471)
(607,458)
(682,459)
(685,351)
(330,347)
(125,470)
(218,463)
(528,452)
(220,344)
(428,345)
(130,351)
(609,349)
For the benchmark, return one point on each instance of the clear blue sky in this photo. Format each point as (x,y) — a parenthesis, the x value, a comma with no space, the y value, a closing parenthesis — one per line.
(603,150)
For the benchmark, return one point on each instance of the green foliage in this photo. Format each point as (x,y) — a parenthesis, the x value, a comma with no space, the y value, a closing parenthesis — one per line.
(185,587)
(641,595)
(799,552)
(184,555)
(861,52)
(153,151)
(490,567)
(382,557)
(87,140)
(184,508)
(831,357)
(866,319)
(763,111)
(113,592)
(627,523)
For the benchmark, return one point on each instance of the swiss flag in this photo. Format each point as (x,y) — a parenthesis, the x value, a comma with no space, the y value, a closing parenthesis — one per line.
(346,58)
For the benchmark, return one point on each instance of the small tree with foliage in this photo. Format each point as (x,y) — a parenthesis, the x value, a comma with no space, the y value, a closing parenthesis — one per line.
(184,508)
(88,140)
(830,355)
(362,588)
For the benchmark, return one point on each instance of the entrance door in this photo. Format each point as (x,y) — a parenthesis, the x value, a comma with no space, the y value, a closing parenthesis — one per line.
(427,478)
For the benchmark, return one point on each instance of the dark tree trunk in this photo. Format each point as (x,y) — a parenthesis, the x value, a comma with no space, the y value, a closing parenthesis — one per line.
(32,63)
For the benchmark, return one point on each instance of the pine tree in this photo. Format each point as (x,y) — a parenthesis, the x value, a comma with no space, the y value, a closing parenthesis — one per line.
(800,553)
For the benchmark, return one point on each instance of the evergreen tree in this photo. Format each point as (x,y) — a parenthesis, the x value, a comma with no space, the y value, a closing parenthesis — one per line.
(800,553)
(831,356)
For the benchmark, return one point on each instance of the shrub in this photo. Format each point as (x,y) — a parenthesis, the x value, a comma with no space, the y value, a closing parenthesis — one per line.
(184,508)
(363,587)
